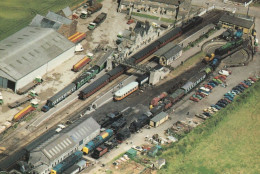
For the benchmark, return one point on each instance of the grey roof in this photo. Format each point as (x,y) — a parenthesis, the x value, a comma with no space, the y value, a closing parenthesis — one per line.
(59,144)
(43,22)
(187,86)
(29,49)
(159,117)
(170,2)
(168,50)
(104,58)
(67,11)
(55,17)
(236,21)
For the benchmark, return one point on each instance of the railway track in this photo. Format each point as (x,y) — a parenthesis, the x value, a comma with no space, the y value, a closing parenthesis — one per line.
(17,144)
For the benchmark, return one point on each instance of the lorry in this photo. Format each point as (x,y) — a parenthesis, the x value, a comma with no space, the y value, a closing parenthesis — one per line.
(94,8)
(38,80)
(98,20)
(21,101)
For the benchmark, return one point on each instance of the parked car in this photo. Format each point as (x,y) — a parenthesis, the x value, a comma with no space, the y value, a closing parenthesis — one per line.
(216,106)
(226,99)
(251,81)
(194,99)
(224,72)
(223,101)
(207,114)
(221,104)
(208,86)
(247,82)
(252,78)
(199,97)
(229,98)
(200,94)
(130,21)
(216,84)
(245,85)
(203,92)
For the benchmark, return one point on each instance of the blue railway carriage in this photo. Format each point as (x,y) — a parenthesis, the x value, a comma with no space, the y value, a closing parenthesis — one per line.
(61,95)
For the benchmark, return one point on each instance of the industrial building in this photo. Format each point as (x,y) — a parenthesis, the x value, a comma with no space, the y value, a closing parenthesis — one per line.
(231,21)
(159,119)
(168,53)
(29,53)
(50,153)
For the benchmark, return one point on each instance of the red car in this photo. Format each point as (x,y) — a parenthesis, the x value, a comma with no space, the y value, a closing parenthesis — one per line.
(208,86)
(200,94)
(245,85)
(227,100)
(252,78)
(130,21)
(194,99)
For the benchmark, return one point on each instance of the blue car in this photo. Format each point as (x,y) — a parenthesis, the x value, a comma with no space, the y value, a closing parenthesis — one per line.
(229,98)
(212,84)
(229,95)
(216,106)
(247,82)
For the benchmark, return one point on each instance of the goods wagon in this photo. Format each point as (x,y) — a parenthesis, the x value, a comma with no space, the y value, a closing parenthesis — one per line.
(155,100)
(23,112)
(79,65)
(86,77)
(104,136)
(99,151)
(54,100)
(94,87)
(179,93)
(77,37)
(67,162)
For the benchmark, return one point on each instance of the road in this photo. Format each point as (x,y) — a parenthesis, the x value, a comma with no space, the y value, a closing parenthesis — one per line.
(253,11)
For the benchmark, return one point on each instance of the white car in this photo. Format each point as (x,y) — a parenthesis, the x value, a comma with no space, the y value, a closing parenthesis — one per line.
(224,72)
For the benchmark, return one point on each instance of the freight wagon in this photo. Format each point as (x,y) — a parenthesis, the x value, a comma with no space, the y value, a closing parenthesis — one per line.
(25,111)
(77,37)
(37,81)
(67,162)
(65,92)
(79,65)
(104,136)
(99,151)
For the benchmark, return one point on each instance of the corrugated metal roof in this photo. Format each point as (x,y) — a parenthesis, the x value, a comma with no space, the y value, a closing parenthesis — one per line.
(29,49)
(43,22)
(55,17)
(67,11)
(159,117)
(236,21)
(59,144)
(173,51)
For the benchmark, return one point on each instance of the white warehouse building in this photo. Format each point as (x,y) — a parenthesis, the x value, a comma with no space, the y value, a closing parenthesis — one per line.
(29,53)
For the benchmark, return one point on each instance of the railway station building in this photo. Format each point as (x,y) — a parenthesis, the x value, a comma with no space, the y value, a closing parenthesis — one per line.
(231,21)
(29,53)
(47,155)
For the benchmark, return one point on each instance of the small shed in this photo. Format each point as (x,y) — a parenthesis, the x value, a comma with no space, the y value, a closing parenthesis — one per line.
(159,119)
(131,153)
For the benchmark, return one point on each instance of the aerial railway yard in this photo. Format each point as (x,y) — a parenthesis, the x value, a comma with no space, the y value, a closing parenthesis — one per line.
(80,107)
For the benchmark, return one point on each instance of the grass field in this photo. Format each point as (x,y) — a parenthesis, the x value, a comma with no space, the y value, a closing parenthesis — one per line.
(16,14)
(227,143)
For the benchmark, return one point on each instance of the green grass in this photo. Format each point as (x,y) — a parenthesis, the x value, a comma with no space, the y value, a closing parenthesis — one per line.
(16,14)
(145,15)
(227,143)
(167,20)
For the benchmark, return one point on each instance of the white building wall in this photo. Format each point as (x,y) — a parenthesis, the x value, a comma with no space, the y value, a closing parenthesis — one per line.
(45,68)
